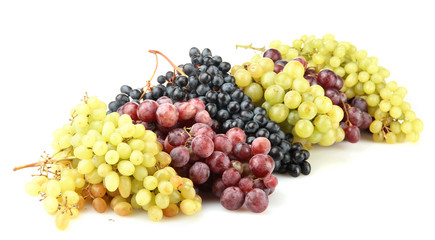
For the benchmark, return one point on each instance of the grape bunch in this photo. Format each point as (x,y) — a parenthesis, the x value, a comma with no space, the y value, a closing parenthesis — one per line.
(356,117)
(394,121)
(212,161)
(206,78)
(300,109)
(112,161)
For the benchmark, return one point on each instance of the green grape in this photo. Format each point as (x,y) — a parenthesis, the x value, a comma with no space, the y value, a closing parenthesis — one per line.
(301,85)
(266,105)
(268,79)
(323,104)
(284,80)
(396,99)
(376,126)
(111,181)
(53,188)
(115,138)
(162,200)
(136,157)
(294,69)
(32,188)
(149,136)
(293,117)
(85,166)
(155,213)
(373,100)
(255,70)
(317,90)
(322,123)
(390,138)
(417,125)
(307,110)
(385,105)
(254,91)
(243,78)
(307,97)
(124,150)
(235,68)
(413,136)
(149,160)
(100,148)
(369,87)
(67,183)
(274,94)
(267,64)
(278,113)
(136,144)
(328,138)
(126,168)
(127,130)
(112,157)
(51,204)
(124,119)
(143,197)
(104,169)
(336,114)
(395,112)
(395,127)
(292,99)
(150,183)
(140,173)
(255,58)
(315,137)
(304,128)
(406,127)
(125,186)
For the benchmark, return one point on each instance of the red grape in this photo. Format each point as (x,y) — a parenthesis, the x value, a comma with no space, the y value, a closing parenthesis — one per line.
(236,135)
(202,146)
(199,172)
(352,134)
(261,165)
(273,54)
(130,108)
(218,187)
(242,151)
(256,200)
(246,184)
(167,115)
(260,145)
(231,177)
(180,156)
(218,162)
(186,111)
(232,198)
(146,112)
(223,143)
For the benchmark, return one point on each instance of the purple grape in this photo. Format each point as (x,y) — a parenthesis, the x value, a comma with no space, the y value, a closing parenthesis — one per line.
(339,83)
(202,146)
(359,103)
(223,143)
(279,66)
(167,115)
(146,112)
(199,172)
(232,198)
(242,151)
(177,137)
(218,187)
(301,60)
(256,200)
(366,120)
(273,54)
(261,165)
(355,116)
(246,184)
(180,156)
(218,162)
(334,95)
(352,134)
(270,181)
(231,177)
(326,78)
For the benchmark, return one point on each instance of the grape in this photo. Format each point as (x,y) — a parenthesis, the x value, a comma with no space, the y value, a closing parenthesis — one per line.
(260,145)
(218,162)
(355,116)
(99,205)
(352,134)
(218,187)
(231,177)
(146,111)
(236,135)
(186,111)
(274,94)
(223,144)
(246,184)
(131,108)
(199,172)
(273,54)
(202,146)
(256,200)
(261,165)
(167,115)
(279,66)
(242,151)
(232,198)
(176,137)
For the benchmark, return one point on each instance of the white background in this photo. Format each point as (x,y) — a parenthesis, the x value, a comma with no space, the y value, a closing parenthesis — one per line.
(52,52)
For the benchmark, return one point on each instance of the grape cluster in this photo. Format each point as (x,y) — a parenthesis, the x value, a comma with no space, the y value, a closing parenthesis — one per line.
(206,78)
(356,116)
(212,161)
(299,108)
(112,161)
(394,121)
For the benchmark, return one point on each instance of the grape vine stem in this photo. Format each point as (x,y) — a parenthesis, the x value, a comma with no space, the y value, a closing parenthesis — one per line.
(262,49)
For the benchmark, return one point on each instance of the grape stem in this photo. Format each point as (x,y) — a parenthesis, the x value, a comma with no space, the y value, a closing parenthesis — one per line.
(262,49)
(147,86)
(345,105)
(170,62)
